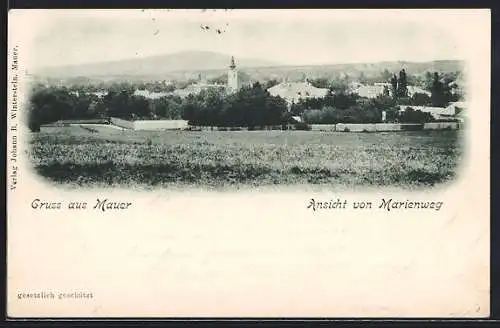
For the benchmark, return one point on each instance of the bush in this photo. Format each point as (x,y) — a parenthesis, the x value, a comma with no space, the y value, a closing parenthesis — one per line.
(420,99)
(414,116)
(313,116)
(34,126)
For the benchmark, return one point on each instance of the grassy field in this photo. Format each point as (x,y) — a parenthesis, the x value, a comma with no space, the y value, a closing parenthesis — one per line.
(254,158)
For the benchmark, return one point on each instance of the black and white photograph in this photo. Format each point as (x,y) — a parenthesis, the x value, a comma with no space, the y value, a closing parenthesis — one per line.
(220,101)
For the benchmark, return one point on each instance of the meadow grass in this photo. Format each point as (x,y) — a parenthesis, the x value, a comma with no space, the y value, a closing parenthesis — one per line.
(247,158)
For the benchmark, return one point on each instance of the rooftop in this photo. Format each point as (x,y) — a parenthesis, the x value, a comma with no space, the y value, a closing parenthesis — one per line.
(297,90)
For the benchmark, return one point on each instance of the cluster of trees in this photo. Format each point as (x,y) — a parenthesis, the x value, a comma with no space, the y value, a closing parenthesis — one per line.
(411,115)
(365,111)
(252,106)
(442,86)
(345,108)
(441,90)
(50,104)
(399,85)
(342,106)
(439,85)
(341,82)
(341,101)
(331,115)
(88,86)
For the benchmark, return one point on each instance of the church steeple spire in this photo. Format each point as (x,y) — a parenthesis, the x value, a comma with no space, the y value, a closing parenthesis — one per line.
(233,65)
(232,77)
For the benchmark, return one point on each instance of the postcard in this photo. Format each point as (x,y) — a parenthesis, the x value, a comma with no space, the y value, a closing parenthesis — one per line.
(248,163)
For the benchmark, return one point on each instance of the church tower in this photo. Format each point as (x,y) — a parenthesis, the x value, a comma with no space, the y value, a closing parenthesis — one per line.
(232,77)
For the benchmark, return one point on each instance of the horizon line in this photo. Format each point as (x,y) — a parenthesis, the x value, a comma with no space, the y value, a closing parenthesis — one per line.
(277,65)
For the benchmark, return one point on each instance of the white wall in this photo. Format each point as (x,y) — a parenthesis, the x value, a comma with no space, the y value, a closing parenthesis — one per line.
(356,127)
(323,127)
(160,124)
(441,125)
(450,110)
(150,124)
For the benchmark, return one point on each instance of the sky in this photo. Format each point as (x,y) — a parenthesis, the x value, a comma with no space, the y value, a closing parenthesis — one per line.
(287,37)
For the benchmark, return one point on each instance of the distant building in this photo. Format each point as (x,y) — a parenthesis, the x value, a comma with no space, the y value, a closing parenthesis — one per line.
(438,113)
(457,86)
(373,91)
(149,94)
(98,94)
(460,108)
(354,85)
(292,92)
(233,84)
(414,89)
(370,91)
(196,88)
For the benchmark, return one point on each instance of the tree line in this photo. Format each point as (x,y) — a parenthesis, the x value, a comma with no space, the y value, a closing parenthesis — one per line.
(50,104)
(350,108)
(251,106)
(343,106)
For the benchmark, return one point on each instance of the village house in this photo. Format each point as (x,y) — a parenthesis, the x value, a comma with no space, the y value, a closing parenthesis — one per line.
(458,86)
(454,110)
(197,88)
(377,89)
(412,90)
(371,91)
(192,89)
(98,94)
(292,92)
(150,94)
(233,85)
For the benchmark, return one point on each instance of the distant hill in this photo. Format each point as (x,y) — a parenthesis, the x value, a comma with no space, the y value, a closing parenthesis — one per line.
(355,69)
(188,65)
(154,65)
(336,70)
